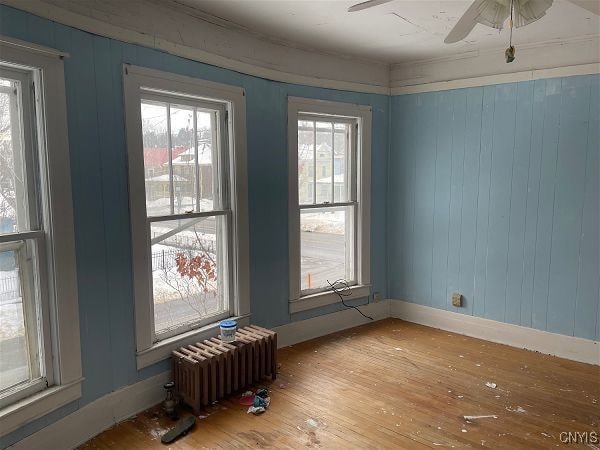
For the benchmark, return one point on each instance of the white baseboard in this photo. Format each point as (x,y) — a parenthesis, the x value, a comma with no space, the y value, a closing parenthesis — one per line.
(569,347)
(303,330)
(85,423)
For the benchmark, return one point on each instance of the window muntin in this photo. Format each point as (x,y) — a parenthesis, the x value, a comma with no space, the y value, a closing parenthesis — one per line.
(24,366)
(328,205)
(188,213)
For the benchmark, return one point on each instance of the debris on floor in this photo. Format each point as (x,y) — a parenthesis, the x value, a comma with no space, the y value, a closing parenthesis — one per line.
(518,409)
(313,423)
(487,416)
(247,398)
(260,400)
(490,384)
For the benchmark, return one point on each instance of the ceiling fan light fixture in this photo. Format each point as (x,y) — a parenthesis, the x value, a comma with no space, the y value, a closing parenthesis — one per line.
(493,13)
(528,11)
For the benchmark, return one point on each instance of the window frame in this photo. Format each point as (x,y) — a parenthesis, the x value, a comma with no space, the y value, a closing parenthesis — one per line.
(299,108)
(56,261)
(135,80)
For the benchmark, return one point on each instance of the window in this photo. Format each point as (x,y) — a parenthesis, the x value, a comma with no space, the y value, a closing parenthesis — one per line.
(189,223)
(40,362)
(329,200)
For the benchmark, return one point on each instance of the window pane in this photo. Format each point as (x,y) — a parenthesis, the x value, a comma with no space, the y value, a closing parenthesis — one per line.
(326,246)
(14,214)
(341,157)
(183,159)
(306,166)
(188,263)
(156,158)
(207,160)
(14,363)
(324,161)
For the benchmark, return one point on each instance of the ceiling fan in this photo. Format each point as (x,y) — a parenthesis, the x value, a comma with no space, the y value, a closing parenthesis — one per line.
(493,13)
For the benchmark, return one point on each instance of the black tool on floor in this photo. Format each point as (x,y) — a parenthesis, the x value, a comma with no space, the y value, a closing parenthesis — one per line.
(180,429)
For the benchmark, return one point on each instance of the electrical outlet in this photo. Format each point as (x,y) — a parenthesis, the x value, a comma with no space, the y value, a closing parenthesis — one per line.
(456,299)
(376,297)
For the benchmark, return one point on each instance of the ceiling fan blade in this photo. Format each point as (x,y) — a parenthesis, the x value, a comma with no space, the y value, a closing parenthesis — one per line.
(367,4)
(465,24)
(592,6)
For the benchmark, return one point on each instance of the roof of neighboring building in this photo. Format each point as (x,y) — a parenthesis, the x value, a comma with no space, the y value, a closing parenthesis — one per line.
(156,157)
(204,156)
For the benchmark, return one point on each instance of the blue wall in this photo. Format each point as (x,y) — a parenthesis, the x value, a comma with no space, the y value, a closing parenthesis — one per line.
(100,199)
(494,194)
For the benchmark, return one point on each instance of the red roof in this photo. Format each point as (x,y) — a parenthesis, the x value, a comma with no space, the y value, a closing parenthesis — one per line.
(156,157)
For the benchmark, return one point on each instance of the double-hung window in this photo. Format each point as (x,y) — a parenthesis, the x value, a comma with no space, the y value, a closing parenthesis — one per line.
(329,190)
(40,365)
(187,183)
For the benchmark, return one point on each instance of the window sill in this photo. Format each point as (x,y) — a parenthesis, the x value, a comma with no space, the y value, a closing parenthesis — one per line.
(24,411)
(327,298)
(162,350)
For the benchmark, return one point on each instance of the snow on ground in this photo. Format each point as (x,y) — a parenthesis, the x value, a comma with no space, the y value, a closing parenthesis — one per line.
(330,222)
(161,205)
(11,308)
(11,320)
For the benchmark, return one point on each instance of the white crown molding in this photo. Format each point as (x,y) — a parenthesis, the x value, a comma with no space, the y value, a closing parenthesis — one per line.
(158,26)
(584,69)
(479,68)
(569,347)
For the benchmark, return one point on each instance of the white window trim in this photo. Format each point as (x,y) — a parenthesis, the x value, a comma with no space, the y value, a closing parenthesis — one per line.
(64,309)
(134,78)
(298,106)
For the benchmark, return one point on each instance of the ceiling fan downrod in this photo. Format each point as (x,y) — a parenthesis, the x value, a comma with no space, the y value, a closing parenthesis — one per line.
(509,53)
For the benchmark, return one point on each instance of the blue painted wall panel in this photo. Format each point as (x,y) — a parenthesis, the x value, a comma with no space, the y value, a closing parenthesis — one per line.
(516,198)
(483,200)
(470,197)
(568,203)
(441,208)
(423,209)
(518,202)
(587,309)
(457,168)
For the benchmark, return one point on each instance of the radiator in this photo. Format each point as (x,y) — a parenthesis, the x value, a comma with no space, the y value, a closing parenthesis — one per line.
(210,370)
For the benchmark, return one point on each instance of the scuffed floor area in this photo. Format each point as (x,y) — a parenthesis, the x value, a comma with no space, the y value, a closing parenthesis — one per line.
(394,384)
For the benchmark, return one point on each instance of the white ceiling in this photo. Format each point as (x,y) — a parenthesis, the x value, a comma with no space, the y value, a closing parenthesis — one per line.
(402,30)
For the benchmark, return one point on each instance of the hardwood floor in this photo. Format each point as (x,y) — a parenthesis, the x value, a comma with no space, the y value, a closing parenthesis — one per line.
(394,384)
